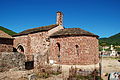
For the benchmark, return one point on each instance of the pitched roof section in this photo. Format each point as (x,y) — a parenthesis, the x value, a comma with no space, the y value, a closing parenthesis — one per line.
(73,32)
(4,35)
(38,29)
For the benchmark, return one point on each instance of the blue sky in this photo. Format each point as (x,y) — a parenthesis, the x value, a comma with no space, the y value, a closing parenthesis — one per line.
(101,17)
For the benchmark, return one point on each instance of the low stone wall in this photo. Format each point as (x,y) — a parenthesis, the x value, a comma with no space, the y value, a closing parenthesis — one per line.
(11,61)
(6,45)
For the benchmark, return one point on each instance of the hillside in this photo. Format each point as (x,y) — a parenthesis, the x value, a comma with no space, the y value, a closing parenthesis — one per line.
(112,40)
(10,32)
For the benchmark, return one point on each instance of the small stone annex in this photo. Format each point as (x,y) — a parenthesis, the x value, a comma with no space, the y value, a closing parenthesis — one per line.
(6,42)
(60,45)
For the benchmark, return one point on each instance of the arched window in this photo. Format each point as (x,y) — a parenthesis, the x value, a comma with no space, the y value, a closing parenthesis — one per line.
(58,48)
(20,49)
(58,45)
(77,48)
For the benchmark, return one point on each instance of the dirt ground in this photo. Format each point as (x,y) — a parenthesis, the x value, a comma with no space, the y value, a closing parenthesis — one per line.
(109,65)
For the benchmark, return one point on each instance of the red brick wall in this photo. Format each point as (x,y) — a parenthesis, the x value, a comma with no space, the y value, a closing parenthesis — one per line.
(6,45)
(88,50)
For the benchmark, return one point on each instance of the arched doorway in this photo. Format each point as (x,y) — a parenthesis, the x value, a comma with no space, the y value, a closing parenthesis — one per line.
(20,49)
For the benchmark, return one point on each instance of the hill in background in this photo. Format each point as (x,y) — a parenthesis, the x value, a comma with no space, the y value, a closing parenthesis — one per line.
(10,32)
(112,40)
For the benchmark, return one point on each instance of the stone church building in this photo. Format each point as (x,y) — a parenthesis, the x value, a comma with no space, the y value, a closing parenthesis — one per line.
(61,45)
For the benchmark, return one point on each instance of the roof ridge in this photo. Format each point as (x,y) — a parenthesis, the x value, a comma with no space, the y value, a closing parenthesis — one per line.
(37,29)
(73,31)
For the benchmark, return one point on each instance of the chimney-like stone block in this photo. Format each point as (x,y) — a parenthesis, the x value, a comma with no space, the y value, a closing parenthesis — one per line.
(59,18)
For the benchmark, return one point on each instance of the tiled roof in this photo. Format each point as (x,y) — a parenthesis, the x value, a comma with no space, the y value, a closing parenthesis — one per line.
(4,35)
(73,32)
(34,30)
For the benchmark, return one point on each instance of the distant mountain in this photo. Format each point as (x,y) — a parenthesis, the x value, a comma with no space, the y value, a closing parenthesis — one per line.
(10,32)
(112,40)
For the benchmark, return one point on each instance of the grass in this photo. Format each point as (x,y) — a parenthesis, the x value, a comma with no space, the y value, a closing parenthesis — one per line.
(43,75)
(114,58)
(56,73)
(10,32)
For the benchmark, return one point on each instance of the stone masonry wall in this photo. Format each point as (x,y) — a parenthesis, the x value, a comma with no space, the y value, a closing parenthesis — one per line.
(85,54)
(11,60)
(6,45)
(32,43)
(35,42)
(38,42)
(23,41)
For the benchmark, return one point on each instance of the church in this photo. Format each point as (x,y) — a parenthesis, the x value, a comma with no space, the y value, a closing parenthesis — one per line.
(61,45)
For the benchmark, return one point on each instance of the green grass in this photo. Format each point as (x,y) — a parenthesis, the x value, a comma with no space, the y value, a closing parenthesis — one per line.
(56,73)
(10,32)
(113,58)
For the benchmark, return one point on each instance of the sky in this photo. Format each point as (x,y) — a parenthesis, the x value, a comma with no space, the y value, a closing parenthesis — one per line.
(101,17)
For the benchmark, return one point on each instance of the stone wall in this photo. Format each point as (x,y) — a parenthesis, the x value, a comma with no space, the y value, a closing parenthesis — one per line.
(38,42)
(32,43)
(6,45)
(85,53)
(81,50)
(40,60)
(11,60)
(23,41)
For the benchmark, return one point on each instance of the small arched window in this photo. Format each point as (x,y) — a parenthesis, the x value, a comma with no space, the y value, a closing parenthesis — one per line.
(58,54)
(77,48)
(58,45)
(20,49)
